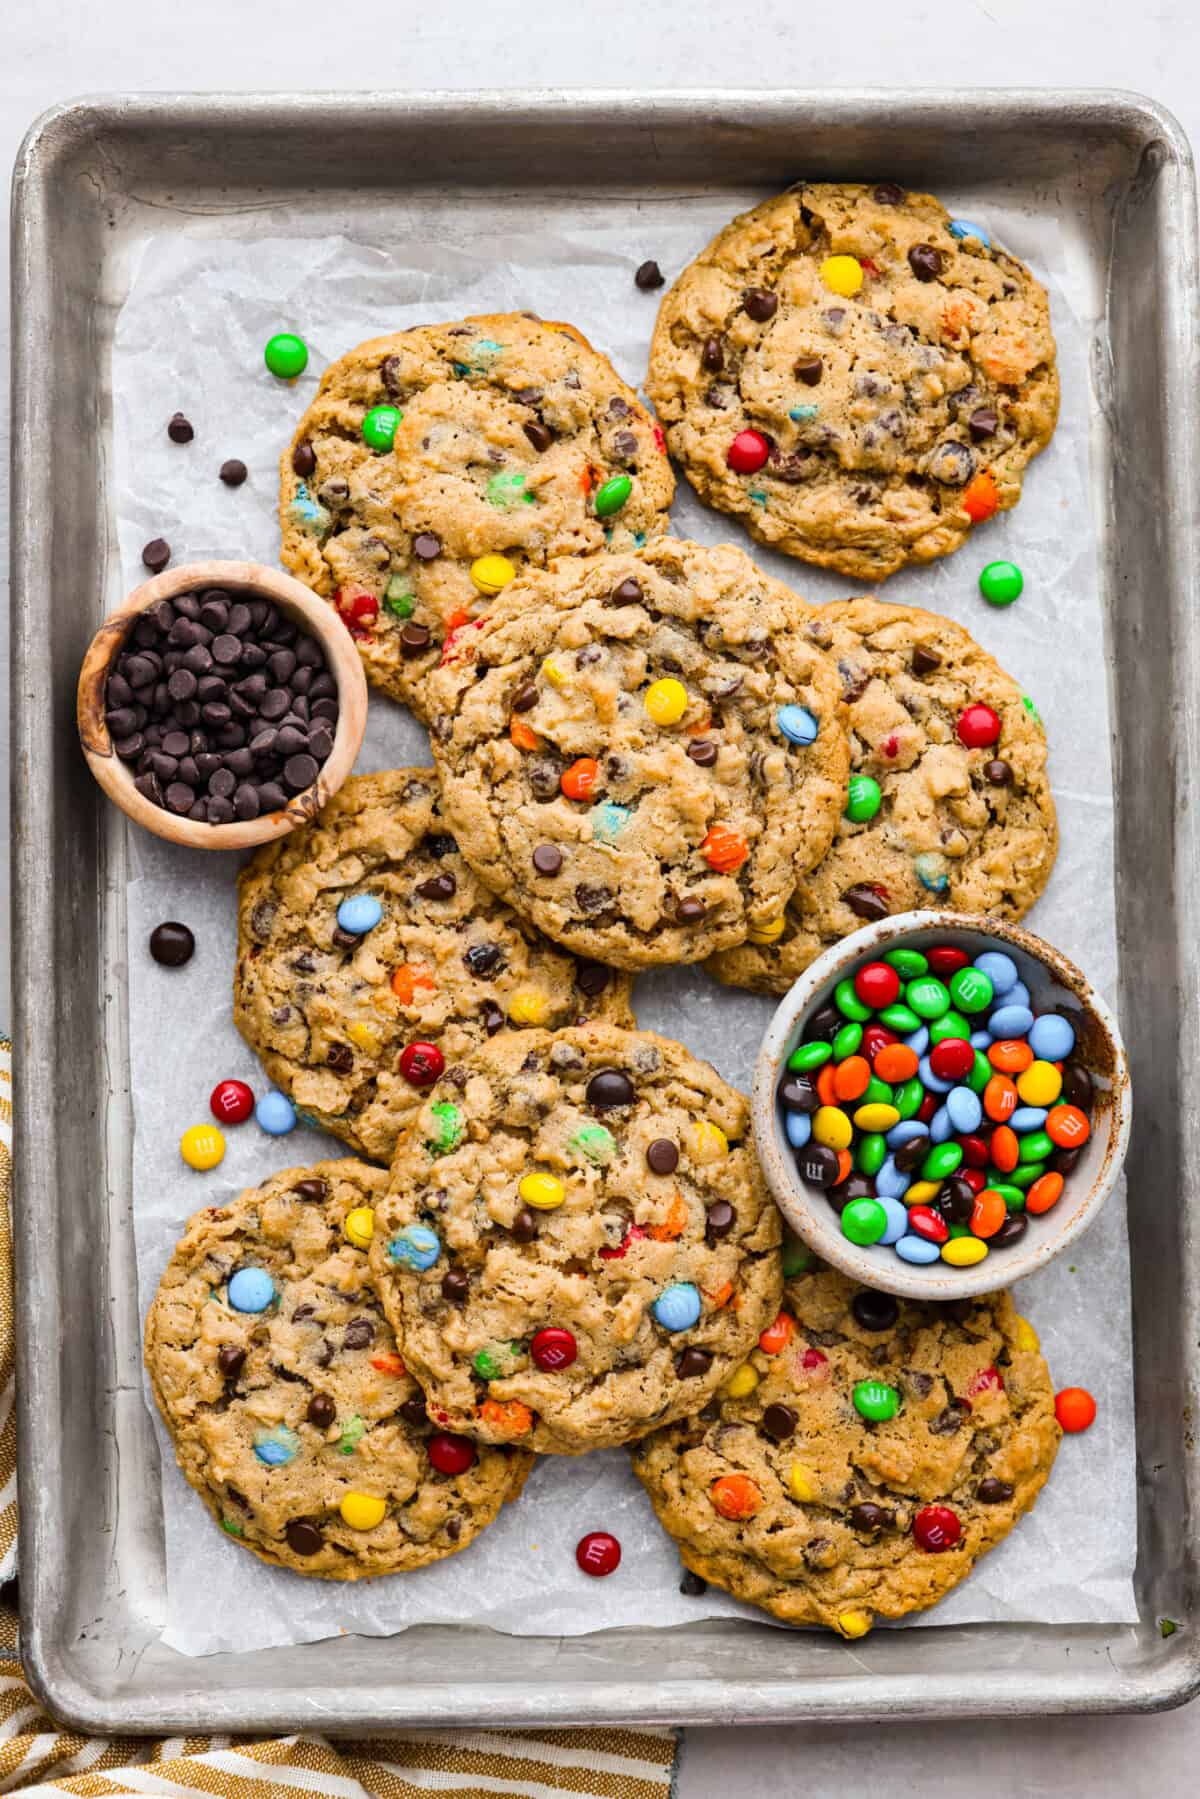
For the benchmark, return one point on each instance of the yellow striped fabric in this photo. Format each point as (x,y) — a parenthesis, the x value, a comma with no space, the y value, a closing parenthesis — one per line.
(37,1757)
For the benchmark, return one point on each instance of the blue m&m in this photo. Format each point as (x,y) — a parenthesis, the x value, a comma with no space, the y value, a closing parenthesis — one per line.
(359,914)
(797,724)
(275,1114)
(416,1247)
(677,1308)
(250,1290)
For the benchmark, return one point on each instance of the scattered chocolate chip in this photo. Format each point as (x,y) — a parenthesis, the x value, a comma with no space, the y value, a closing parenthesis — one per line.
(609,1087)
(712,357)
(662,1156)
(997,772)
(493,1017)
(887,194)
(690,910)
(692,1585)
(172,944)
(300,772)
(359,1334)
(925,262)
(874,1311)
(991,1491)
(720,1219)
(483,959)
(547,858)
(760,304)
(455,1286)
(647,277)
(156,555)
(779,1422)
(524,1226)
(864,902)
(179,429)
(690,1364)
(808,369)
(304,459)
(426,546)
(231,1359)
(312,1190)
(438,887)
(303,1538)
(233,472)
(702,751)
(982,423)
(591,897)
(869,1517)
(539,435)
(340,1058)
(321,1411)
(627,592)
(525,698)
(592,978)
(414,1413)
(924,660)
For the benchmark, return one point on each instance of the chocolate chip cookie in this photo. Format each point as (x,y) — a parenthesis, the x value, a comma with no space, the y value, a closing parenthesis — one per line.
(643,751)
(862,1467)
(354,1024)
(856,375)
(291,1411)
(935,816)
(436,463)
(576,1244)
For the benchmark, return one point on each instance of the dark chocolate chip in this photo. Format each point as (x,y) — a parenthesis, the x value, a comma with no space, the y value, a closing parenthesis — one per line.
(592,978)
(874,1311)
(547,858)
(156,555)
(231,1359)
(760,304)
(647,277)
(233,472)
(300,772)
(924,660)
(492,1016)
(982,423)
(692,1585)
(312,1190)
(321,1411)
(864,902)
(610,1087)
(179,429)
(426,546)
(627,592)
(779,1422)
(340,1058)
(455,1286)
(869,1517)
(303,1538)
(991,1491)
(691,1364)
(525,698)
(524,1226)
(414,641)
(887,194)
(702,751)
(925,262)
(179,797)
(997,772)
(712,356)
(483,959)
(539,435)
(690,910)
(808,369)
(358,1334)
(719,1219)
(662,1156)
(438,887)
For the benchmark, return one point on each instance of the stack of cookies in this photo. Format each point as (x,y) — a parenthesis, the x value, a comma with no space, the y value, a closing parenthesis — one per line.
(647,753)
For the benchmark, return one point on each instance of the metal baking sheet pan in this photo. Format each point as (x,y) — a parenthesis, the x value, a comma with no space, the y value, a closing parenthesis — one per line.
(95,180)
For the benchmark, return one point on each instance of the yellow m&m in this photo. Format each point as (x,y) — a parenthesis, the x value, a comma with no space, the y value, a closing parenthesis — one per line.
(555,673)
(491,573)
(362,1511)
(528,1006)
(1040,1084)
(743,1380)
(709,1142)
(541,1191)
(359,1226)
(202,1146)
(800,1484)
(666,701)
(364,1037)
(854,1624)
(964,1252)
(832,1127)
(770,931)
(842,275)
(1027,1337)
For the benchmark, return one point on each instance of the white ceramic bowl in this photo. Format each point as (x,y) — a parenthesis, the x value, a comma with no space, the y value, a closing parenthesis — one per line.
(1093,1178)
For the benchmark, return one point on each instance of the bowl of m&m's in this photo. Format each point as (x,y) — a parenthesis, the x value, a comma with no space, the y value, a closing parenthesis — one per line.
(941,1104)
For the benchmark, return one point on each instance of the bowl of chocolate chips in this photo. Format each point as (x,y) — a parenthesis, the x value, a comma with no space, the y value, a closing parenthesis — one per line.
(221,705)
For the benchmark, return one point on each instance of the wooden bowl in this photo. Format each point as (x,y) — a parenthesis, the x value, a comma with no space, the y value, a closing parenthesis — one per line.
(315,616)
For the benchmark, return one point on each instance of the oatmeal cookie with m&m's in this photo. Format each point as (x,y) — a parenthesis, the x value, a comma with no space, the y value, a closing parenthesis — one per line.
(370,958)
(863,1458)
(437,463)
(856,375)
(949,798)
(644,751)
(576,1243)
(292,1414)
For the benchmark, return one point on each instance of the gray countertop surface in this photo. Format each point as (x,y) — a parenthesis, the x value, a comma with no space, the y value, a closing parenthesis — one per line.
(51,52)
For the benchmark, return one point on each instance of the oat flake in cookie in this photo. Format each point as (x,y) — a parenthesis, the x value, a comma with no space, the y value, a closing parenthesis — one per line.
(865,1466)
(853,379)
(370,958)
(973,829)
(577,1245)
(291,1412)
(516,441)
(643,752)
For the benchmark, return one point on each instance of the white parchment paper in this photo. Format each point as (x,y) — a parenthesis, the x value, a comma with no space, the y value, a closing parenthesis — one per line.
(190,337)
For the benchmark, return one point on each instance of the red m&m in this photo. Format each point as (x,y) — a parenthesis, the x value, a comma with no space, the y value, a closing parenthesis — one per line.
(978,727)
(598,1553)
(877,984)
(553,1349)
(450,1454)
(231,1101)
(748,452)
(937,1528)
(421,1064)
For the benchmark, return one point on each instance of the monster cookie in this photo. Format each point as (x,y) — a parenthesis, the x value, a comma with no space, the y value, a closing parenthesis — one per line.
(370,957)
(643,751)
(435,464)
(857,376)
(949,802)
(291,1412)
(576,1243)
(863,1459)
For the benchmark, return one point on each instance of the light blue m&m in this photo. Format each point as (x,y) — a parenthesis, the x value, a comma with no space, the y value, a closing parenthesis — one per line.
(416,1246)
(963,228)
(1052,1038)
(798,1126)
(275,1114)
(965,1109)
(917,1250)
(1010,1021)
(277,1447)
(897,1220)
(250,1290)
(359,914)
(677,1308)
(797,724)
(1000,969)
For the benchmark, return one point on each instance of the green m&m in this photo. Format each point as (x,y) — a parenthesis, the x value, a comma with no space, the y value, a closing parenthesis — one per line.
(612,495)
(864,1221)
(286,355)
(863,800)
(874,1399)
(379,427)
(1001,583)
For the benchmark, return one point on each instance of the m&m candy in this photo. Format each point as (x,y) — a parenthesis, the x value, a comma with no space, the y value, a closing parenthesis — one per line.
(275,1114)
(202,1146)
(231,1101)
(937,1110)
(286,355)
(598,1553)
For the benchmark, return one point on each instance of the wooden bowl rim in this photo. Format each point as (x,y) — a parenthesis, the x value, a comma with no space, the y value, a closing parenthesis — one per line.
(315,615)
